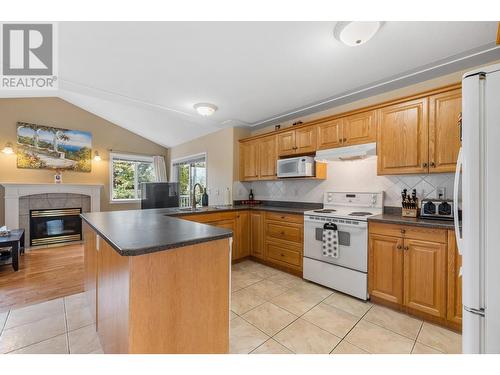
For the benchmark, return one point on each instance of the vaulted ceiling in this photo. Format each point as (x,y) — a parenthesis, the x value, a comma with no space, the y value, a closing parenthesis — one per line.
(146,76)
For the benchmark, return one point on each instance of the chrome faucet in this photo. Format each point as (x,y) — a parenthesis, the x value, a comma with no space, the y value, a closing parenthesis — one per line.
(193,196)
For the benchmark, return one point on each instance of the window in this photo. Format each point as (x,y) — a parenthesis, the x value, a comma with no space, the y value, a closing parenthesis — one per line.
(127,172)
(188,172)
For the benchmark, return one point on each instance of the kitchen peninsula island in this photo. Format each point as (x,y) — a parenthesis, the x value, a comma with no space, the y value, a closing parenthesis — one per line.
(157,284)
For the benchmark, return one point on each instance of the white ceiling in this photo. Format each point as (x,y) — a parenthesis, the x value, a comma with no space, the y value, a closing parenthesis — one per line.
(147,76)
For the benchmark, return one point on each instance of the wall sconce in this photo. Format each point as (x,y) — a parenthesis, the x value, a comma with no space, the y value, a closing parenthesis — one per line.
(97,157)
(8,149)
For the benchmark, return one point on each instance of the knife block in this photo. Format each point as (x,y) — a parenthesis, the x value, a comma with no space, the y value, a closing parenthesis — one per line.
(409,212)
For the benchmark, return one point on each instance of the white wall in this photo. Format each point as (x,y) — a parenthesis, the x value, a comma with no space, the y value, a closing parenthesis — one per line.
(222,159)
(358,176)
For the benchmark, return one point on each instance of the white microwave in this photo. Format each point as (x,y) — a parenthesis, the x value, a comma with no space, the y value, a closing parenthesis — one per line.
(302,166)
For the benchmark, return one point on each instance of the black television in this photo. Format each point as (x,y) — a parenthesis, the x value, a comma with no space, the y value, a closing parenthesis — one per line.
(159,195)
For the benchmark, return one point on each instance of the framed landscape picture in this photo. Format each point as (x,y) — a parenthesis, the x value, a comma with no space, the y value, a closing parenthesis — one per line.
(46,147)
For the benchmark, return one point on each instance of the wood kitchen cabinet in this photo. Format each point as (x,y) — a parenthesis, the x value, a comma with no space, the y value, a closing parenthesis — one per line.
(444,132)
(300,141)
(385,271)
(425,276)
(330,134)
(402,138)
(408,269)
(90,266)
(249,161)
(454,307)
(267,158)
(242,248)
(257,234)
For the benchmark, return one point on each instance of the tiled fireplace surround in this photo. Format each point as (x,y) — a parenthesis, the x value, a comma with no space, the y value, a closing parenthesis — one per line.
(48,201)
(19,199)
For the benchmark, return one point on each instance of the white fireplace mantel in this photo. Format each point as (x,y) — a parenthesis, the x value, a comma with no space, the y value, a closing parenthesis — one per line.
(12,191)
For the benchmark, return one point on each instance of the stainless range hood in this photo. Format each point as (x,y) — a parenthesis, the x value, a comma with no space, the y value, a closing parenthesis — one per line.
(347,153)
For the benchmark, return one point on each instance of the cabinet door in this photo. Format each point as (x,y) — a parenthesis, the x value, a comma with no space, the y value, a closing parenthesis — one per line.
(229,224)
(242,234)
(305,140)
(267,158)
(249,160)
(385,268)
(90,265)
(402,143)
(257,234)
(286,143)
(444,132)
(454,308)
(359,128)
(330,134)
(425,276)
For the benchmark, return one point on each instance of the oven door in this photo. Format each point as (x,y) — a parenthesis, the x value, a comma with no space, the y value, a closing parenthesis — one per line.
(353,244)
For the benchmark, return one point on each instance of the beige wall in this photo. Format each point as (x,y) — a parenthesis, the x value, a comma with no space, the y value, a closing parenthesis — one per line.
(59,113)
(376,99)
(222,159)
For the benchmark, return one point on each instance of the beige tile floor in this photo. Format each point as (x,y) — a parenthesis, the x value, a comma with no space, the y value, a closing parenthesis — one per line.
(272,312)
(59,326)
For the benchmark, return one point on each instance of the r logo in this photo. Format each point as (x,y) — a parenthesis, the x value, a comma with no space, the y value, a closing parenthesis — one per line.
(27,49)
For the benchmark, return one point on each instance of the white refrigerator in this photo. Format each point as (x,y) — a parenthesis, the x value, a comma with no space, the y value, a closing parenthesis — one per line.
(478,239)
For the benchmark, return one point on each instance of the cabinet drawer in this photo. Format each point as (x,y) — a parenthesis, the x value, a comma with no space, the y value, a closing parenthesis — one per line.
(207,218)
(284,232)
(283,253)
(285,217)
(410,232)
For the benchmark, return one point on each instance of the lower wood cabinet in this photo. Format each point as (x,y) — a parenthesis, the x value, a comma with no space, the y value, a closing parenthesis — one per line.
(272,237)
(257,234)
(415,269)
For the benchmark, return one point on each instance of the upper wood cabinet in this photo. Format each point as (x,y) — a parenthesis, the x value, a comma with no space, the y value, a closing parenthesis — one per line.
(330,134)
(359,128)
(402,142)
(249,160)
(347,131)
(444,132)
(267,158)
(300,141)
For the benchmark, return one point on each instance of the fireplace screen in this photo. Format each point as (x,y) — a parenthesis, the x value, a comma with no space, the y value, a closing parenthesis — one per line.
(53,226)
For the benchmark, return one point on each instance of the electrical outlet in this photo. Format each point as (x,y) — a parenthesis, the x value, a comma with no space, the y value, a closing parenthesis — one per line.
(441,192)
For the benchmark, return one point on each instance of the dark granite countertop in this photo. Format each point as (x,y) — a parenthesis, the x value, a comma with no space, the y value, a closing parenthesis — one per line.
(137,232)
(393,218)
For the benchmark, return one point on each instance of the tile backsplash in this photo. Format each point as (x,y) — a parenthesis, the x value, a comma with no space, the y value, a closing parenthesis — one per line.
(357,175)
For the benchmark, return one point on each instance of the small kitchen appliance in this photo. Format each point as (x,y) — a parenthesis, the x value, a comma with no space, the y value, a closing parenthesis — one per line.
(437,209)
(302,166)
(347,213)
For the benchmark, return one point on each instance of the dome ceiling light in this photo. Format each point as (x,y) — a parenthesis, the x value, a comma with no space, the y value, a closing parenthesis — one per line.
(205,109)
(355,33)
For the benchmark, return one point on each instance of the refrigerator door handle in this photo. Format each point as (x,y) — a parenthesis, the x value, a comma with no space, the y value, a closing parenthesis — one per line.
(480,312)
(456,220)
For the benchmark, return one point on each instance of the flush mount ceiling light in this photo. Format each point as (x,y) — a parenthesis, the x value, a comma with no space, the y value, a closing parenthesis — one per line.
(355,33)
(205,109)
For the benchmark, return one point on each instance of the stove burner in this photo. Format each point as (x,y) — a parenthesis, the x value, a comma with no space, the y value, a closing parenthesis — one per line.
(360,213)
(325,211)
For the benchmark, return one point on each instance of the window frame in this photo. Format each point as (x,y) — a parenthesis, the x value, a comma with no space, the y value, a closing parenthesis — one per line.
(185,159)
(131,158)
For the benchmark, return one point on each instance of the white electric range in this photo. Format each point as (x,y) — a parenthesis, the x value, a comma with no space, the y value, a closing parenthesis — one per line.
(347,273)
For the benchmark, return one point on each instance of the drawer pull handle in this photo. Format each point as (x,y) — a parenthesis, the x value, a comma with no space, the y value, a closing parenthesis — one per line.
(282,233)
(403,231)
(282,254)
(282,217)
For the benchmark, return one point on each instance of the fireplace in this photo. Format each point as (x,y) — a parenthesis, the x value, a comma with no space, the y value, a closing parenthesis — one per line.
(53,226)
